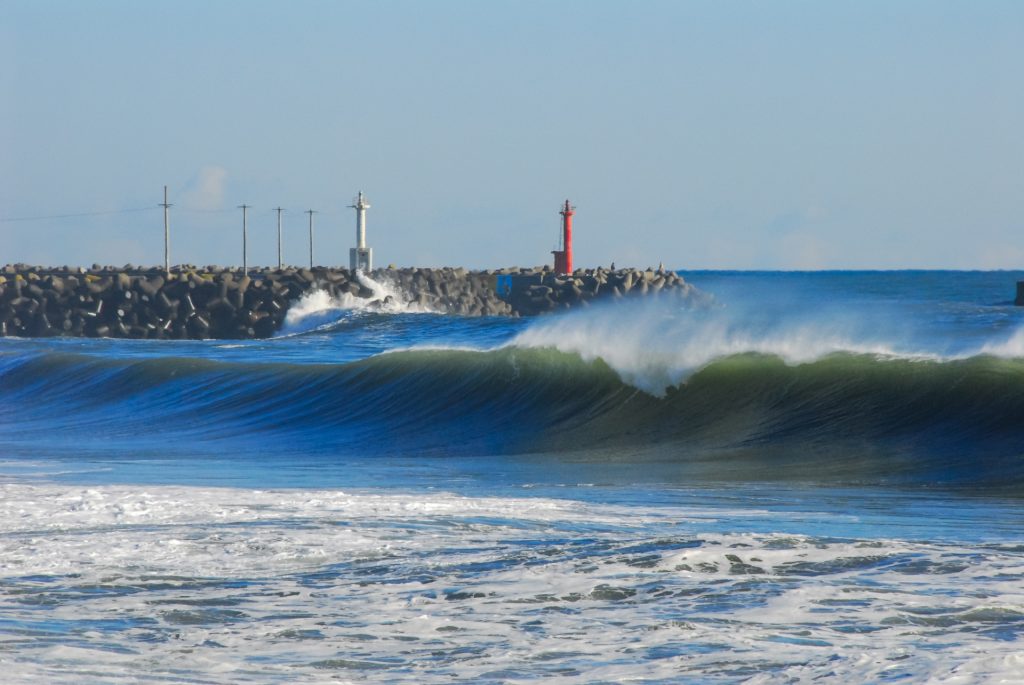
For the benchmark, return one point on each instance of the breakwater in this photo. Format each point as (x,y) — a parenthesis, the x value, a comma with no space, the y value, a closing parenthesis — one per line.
(215,302)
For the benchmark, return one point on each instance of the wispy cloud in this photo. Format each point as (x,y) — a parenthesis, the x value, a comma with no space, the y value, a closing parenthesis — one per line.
(206,189)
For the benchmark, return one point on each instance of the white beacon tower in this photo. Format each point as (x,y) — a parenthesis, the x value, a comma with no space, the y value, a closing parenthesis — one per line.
(360,257)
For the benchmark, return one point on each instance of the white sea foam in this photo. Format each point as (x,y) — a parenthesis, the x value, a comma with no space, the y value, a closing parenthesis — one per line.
(224,585)
(317,309)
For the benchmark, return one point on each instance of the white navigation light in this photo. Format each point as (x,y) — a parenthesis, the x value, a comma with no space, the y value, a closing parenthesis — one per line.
(360,257)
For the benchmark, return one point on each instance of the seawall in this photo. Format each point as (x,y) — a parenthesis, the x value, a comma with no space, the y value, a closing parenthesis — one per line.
(214,302)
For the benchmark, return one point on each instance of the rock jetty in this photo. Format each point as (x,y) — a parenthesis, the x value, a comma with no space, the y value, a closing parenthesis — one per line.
(215,302)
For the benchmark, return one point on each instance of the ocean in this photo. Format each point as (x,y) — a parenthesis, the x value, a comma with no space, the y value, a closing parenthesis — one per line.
(813,477)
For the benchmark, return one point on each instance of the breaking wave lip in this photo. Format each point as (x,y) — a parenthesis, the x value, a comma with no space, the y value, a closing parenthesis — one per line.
(655,347)
(1010,348)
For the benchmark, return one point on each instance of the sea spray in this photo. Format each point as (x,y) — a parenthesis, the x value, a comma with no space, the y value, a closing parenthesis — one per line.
(317,309)
(1012,347)
(656,345)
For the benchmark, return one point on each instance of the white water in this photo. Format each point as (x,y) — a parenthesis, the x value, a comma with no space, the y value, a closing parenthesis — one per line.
(317,309)
(218,585)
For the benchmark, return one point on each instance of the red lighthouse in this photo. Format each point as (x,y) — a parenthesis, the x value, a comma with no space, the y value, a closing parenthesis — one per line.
(563,257)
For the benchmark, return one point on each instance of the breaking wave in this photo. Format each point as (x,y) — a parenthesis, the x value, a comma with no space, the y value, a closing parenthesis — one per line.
(317,310)
(843,415)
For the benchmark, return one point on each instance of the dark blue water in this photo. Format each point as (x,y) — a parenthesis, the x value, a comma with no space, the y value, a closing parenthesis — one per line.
(817,476)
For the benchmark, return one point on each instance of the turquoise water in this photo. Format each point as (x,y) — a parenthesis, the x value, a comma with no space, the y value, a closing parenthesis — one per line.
(817,477)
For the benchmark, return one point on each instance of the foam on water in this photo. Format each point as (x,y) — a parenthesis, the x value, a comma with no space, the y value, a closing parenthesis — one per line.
(317,309)
(220,585)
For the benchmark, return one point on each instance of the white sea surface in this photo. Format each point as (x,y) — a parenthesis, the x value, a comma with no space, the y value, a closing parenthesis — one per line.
(182,584)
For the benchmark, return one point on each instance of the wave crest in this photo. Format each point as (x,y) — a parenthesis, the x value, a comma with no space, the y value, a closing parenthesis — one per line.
(656,347)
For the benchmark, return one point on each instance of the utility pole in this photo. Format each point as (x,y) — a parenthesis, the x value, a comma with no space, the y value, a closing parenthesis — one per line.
(245,238)
(167,234)
(311,213)
(280,264)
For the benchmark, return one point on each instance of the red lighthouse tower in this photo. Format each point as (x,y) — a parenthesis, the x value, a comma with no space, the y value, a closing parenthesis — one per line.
(563,257)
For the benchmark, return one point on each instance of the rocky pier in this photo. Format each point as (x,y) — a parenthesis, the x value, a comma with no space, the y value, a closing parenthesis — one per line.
(214,302)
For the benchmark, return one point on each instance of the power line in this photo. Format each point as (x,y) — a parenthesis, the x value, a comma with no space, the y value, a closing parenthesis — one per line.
(191,210)
(76,215)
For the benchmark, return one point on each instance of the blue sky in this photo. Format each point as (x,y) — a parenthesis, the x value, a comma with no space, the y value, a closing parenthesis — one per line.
(698,134)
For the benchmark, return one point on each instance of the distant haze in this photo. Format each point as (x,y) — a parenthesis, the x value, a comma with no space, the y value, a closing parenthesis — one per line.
(699,134)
